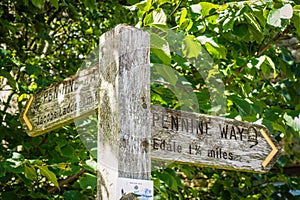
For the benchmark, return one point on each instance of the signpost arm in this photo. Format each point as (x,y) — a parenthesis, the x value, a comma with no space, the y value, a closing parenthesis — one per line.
(124,109)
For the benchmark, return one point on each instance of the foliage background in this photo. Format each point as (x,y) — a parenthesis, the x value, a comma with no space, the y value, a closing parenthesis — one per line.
(253,45)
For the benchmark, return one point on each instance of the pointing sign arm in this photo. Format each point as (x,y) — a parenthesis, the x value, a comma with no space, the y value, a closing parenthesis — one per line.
(212,141)
(60,103)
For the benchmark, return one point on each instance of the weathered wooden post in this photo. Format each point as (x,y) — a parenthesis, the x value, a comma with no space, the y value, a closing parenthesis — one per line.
(124,109)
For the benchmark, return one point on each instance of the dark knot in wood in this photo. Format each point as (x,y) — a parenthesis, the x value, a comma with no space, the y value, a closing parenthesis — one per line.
(145,146)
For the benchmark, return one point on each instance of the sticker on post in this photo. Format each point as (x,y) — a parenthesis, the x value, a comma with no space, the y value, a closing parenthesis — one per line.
(134,189)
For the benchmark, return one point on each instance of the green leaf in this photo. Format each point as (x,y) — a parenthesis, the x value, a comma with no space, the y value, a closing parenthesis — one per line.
(159,16)
(89,181)
(286,11)
(64,166)
(156,17)
(22,96)
(272,114)
(212,20)
(38,3)
(54,3)
(90,165)
(148,19)
(213,48)
(89,31)
(160,48)
(169,180)
(208,8)
(271,63)
(242,31)
(278,127)
(243,105)
(259,15)
(9,195)
(207,39)
(14,166)
(2,169)
(228,23)
(144,5)
(186,25)
(217,52)
(264,63)
(48,174)
(165,59)
(292,122)
(35,195)
(255,35)
(90,4)
(274,18)
(191,48)
(256,62)
(196,8)
(73,195)
(67,151)
(30,172)
(183,16)
(166,73)
(161,2)
(252,20)
(296,19)
(203,99)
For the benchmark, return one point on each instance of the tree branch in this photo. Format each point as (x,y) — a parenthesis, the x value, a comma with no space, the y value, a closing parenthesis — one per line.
(289,171)
(277,36)
(66,181)
(177,7)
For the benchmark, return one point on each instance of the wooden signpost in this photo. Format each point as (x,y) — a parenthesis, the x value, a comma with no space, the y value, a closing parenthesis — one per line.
(128,128)
(124,112)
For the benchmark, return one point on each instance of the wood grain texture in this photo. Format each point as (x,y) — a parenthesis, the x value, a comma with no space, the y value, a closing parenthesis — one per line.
(211,141)
(124,108)
(61,103)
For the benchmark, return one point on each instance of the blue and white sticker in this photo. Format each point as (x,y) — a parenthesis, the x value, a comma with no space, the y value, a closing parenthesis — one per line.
(141,189)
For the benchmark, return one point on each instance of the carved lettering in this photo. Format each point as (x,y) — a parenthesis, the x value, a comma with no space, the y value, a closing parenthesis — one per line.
(223,131)
(237,133)
(174,122)
(219,153)
(252,136)
(163,145)
(194,149)
(59,111)
(179,123)
(202,127)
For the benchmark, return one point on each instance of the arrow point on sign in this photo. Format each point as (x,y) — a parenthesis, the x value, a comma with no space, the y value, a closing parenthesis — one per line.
(27,122)
(274,149)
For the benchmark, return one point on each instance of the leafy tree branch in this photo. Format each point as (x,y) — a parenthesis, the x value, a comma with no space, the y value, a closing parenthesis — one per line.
(66,181)
(273,40)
